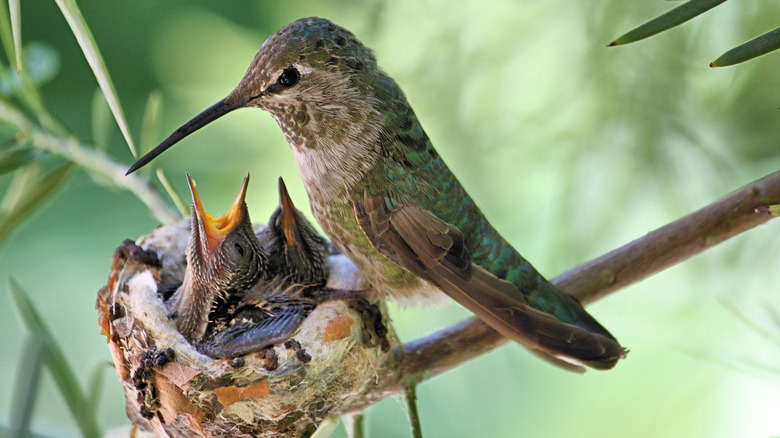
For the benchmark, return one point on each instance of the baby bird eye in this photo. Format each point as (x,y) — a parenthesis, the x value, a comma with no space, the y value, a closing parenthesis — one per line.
(289,77)
(239,249)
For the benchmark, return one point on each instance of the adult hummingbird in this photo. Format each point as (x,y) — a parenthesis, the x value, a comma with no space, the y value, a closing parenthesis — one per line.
(386,198)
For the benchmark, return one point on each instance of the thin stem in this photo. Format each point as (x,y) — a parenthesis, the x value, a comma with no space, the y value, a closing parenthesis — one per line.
(410,393)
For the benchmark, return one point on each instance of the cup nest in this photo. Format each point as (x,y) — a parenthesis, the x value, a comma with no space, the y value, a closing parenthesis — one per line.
(171,389)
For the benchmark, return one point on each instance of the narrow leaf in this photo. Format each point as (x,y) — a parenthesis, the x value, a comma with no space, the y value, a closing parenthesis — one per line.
(151,122)
(760,45)
(172,193)
(12,159)
(55,361)
(28,379)
(16,28)
(87,42)
(95,386)
(101,130)
(6,34)
(675,17)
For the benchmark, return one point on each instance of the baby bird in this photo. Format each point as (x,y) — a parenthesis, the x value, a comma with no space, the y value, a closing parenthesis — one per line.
(294,285)
(223,255)
(295,249)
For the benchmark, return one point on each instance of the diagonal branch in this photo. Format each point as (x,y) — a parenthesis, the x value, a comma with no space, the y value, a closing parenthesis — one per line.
(673,243)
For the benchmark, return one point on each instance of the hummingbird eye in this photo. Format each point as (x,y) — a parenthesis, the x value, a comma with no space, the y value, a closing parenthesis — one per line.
(239,249)
(289,77)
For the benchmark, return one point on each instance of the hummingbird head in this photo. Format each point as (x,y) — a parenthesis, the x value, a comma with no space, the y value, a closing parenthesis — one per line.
(326,92)
(294,247)
(223,255)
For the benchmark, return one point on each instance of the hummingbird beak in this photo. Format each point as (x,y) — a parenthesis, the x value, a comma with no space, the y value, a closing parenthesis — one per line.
(212,231)
(214,112)
(286,219)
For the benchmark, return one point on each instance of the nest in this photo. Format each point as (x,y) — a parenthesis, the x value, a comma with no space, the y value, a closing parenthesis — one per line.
(172,389)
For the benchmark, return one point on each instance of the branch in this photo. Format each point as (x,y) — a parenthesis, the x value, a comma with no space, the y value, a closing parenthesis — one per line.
(427,357)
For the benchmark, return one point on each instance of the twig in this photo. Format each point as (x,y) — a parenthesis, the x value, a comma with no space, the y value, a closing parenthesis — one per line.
(410,393)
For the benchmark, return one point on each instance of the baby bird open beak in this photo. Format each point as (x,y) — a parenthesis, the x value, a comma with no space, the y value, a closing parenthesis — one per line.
(212,231)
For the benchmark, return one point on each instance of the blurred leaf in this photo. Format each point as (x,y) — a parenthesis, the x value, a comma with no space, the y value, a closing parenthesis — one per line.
(675,17)
(749,321)
(760,45)
(95,386)
(151,123)
(14,158)
(6,33)
(172,193)
(79,27)
(42,64)
(55,361)
(26,193)
(101,128)
(16,30)
(28,378)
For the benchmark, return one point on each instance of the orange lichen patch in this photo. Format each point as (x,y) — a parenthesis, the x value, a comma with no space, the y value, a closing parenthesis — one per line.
(173,402)
(338,328)
(102,308)
(180,375)
(232,394)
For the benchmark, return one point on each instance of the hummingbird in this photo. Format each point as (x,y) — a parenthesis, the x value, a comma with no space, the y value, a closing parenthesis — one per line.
(239,295)
(388,201)
(293,285)
(295,249)
(223,255)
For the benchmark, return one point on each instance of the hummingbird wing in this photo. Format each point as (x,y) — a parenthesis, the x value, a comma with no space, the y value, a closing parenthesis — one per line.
(434,250)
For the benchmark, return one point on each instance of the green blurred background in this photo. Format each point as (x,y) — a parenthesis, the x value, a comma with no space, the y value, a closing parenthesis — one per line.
(571,148)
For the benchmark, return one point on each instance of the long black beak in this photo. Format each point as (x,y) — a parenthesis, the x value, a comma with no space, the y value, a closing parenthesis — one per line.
(214,112)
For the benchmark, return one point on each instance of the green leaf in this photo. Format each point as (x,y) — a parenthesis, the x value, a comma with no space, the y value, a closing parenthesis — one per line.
(760,45)
(26,193)
(95,386)
(6,33)
(675,17)
(55,361)
(16,30)
(101,129)
(87,42)
(28,379)
(14,158)
(151,124)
